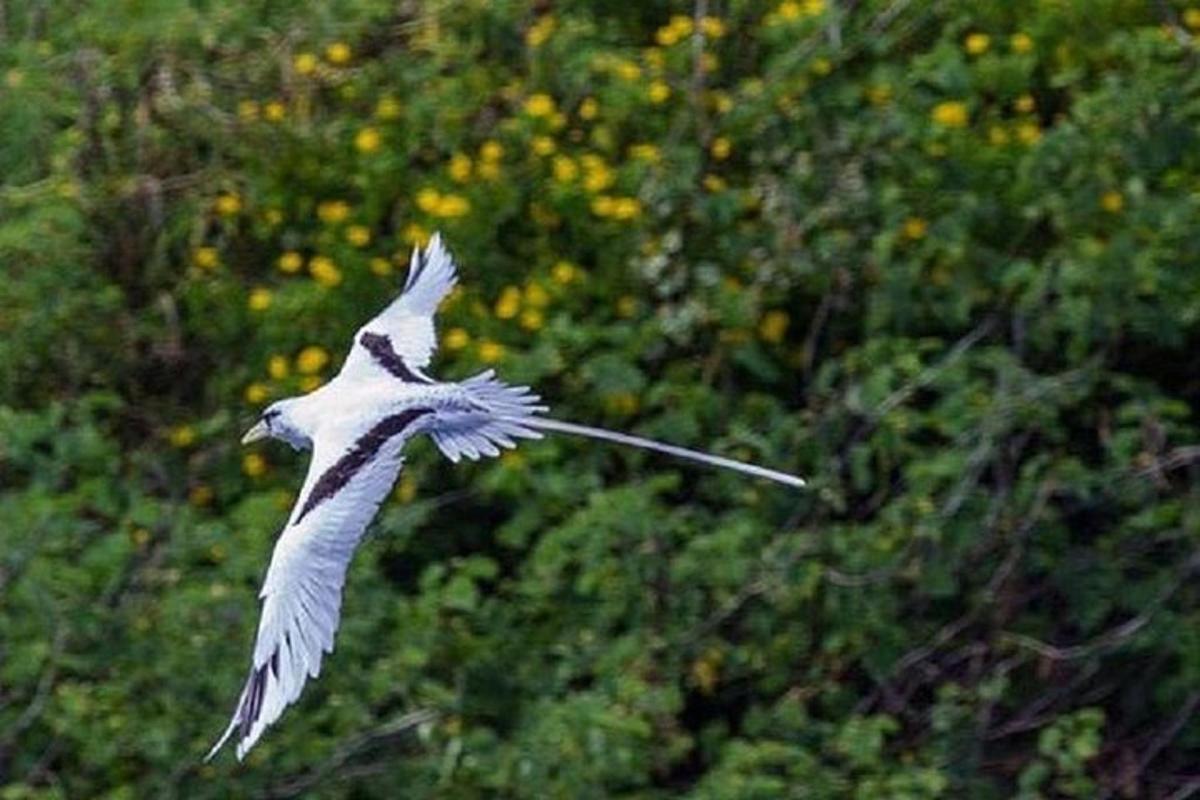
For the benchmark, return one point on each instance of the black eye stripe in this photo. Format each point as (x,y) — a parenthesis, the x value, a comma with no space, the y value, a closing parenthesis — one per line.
(270,415)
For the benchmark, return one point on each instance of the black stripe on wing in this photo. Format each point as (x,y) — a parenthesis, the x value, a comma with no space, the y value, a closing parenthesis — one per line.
(380,348)
(364,450)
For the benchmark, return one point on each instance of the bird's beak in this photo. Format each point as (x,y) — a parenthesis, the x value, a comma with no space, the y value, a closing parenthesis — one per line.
(259,431)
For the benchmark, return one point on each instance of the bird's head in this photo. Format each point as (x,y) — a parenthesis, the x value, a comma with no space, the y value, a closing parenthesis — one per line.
(278,421)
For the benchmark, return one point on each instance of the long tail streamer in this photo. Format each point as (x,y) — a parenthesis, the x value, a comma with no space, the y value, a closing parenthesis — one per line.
(558,426)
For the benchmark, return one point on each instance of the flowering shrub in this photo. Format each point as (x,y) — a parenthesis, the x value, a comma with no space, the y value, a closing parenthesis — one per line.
(940,258)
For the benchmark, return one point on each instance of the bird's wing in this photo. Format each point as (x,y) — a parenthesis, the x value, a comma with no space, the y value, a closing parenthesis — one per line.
(401,338)
(349,476)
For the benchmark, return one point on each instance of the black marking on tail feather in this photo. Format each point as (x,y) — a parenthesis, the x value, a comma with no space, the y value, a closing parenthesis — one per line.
(380,348)
(360,455)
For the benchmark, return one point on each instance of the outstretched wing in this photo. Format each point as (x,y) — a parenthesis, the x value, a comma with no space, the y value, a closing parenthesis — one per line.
(302,593)
(401,338)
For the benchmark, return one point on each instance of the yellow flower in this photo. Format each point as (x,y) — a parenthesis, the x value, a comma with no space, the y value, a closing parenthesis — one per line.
(588,109)
(227,205)
(387,108)
(381,267)
(628,71)
(200,495)
(1021,43)
(666,36)
(304,63)
(977,44)
(253,465)
(256,393)
(597,175)
(406,488)
(452,205)
(540,31)
(1112,201)
(997,136)
(715,183)
(1024,104)
(290,262)
(627,306)
(822,66)
(248,110)
(536,296)
(564,272)
(273,216)
(1191,18)
(565,169)
(333,211)
(773,327)
(645,152)
(658,92)
(460,167)
(488,170)
(879,94)
(814,7)
(721,148)
(623,403)
(490,352)
(415,235)
(428,200)
(539,105)
(509,303)
(259,299)
(277,367)
(206,257)
(626,208)
(722,103)
(312,360)
(182,436)
(1029,132)
(950,114)
(602,206)
(712,27)
(274,111)
(337,53)
(789,10)
(367,140)
(491,151)
(532,319)
(309,382)
(542,145)
(915,228)
(324,271)
(456,339)
(358,235)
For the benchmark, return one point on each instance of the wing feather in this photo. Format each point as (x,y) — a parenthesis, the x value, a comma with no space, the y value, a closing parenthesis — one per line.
(302,591)
(401,338)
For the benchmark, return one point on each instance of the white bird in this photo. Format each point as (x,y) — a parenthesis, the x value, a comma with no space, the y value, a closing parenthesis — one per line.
(357,426)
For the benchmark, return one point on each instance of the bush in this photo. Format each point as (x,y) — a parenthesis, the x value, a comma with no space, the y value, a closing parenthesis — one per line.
(940,258)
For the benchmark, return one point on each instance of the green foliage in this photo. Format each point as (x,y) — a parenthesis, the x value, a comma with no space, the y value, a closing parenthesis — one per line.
(939,258)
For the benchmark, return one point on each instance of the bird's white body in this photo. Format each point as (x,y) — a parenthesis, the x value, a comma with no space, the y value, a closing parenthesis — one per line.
(357,426)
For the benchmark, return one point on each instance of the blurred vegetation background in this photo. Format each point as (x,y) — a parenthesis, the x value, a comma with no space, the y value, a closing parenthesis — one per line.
(939,257)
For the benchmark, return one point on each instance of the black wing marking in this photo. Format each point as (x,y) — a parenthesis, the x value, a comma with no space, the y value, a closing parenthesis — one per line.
(364,450)
(380,348)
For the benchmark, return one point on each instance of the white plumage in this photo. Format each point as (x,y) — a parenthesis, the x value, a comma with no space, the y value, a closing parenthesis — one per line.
(357,426)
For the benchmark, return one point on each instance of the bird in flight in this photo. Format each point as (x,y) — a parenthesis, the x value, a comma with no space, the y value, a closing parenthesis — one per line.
(356,426)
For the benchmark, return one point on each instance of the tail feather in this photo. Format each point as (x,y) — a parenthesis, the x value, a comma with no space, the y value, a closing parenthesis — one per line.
(558,426)
(500,414)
